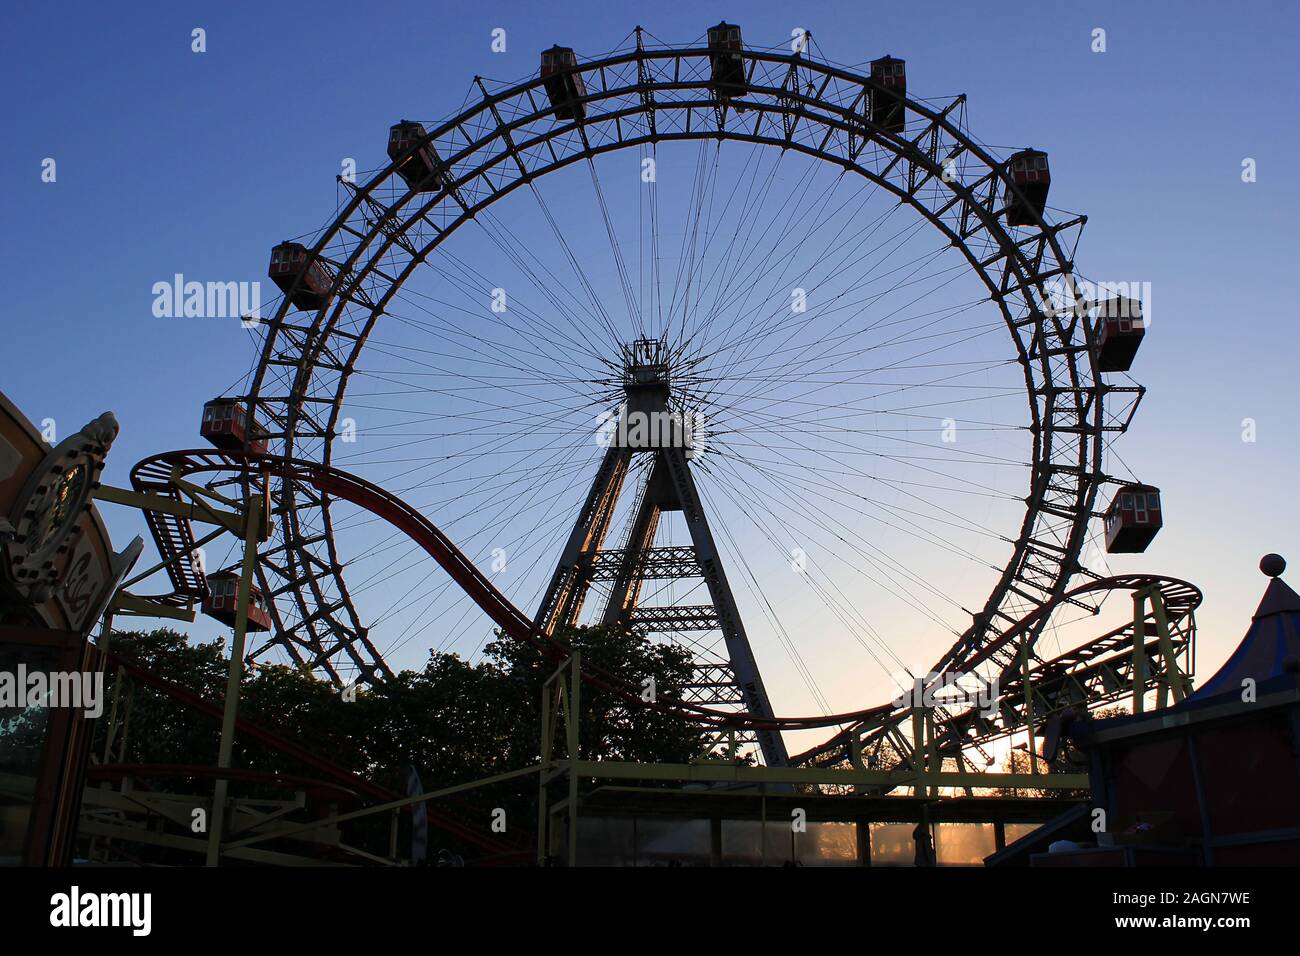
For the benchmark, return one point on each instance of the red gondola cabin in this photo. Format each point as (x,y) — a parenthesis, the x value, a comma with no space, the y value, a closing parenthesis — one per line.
(889,76)
(417,162)
(1132,519)
(727,64)
(288,260)
(225,424)
(564,86)
(1119,333)
(1028,170)
(222,602)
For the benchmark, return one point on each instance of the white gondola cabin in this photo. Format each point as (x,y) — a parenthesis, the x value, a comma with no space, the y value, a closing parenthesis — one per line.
(417,162)
(728,67)
(222,602)
(288,261)
(1029,172)
(564,85)
(1119,333)
(889,79)
(1133,518)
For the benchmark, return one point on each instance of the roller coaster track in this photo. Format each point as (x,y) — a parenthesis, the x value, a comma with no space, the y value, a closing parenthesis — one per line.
(332,776)
(1100,662)
(1095,672)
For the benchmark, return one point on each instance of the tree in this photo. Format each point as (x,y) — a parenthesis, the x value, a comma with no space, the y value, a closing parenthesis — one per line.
(455,722)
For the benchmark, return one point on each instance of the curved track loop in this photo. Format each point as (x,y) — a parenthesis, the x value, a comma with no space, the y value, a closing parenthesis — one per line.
(1180,596)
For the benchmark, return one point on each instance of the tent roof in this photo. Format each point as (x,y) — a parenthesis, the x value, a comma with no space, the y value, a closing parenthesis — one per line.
(1273,638)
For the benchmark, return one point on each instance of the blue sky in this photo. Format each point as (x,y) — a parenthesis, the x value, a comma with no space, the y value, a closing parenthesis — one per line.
(171,161)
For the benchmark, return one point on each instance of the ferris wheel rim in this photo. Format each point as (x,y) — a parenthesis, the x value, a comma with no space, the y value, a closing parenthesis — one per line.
(385,225)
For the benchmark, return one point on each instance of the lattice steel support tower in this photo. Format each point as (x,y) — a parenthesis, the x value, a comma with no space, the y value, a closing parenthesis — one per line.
(726,676)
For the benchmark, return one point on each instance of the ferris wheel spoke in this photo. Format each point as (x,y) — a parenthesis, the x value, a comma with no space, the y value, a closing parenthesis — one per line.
(911,461)
(524,355)
(770,286)
(764,268)
(900,584)
(562,300)
(472,283)
(817,346)
(488,355)
(789,644)
(479,416)
(753,515)
(494,523)
(854,624)
(690,235)
(815,349)
(753,399)
(738,337)
(624,278)
(785,469)
(484,396)
(794,410)
(576,265)
(747,220)
(851,339)
(783,475)
(862,384)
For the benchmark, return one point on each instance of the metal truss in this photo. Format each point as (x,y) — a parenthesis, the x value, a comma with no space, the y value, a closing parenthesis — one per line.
(1108,668)
(727,675)
(651,564)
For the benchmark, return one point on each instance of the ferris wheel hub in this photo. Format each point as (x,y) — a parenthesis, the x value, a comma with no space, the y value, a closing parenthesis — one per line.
(646,364)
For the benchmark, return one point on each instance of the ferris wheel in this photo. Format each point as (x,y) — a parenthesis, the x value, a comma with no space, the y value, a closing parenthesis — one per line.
(885,399)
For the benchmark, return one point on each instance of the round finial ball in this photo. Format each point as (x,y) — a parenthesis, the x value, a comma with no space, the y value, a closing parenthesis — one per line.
(1272,564)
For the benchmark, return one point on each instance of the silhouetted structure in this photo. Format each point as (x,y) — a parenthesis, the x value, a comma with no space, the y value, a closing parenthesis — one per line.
(1214,780)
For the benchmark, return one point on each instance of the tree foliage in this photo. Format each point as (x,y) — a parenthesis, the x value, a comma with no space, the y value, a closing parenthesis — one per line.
(453,721)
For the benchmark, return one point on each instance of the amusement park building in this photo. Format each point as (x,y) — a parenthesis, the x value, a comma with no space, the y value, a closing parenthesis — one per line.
(1213,780)
(58,572)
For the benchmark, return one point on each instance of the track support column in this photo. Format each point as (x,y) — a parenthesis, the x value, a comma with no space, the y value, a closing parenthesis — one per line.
(216,821)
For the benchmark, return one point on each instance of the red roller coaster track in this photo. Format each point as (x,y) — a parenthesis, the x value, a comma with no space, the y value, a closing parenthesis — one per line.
(157,474)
